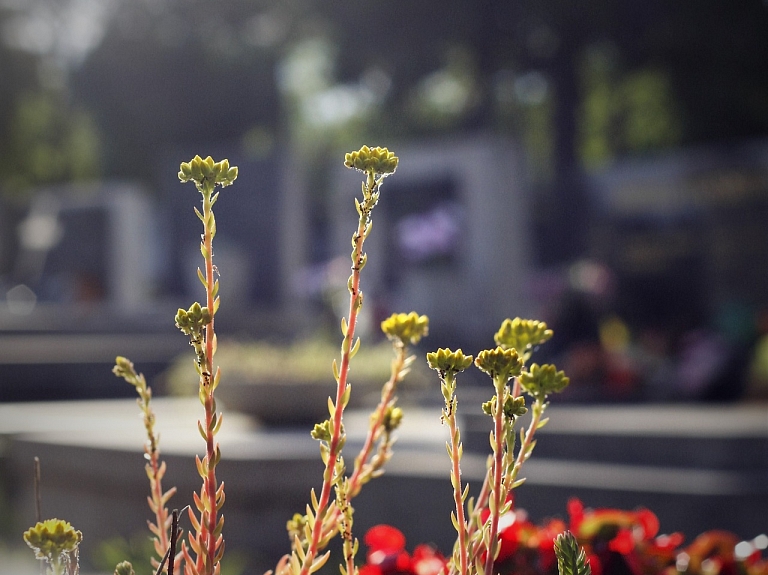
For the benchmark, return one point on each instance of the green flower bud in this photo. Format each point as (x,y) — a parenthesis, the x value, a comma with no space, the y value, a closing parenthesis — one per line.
(378,161)
(123,367)
(407,328)
(322,431)
(502,362)
(522,334)
(514,407)
(446,361)
(392,418)
(539,381)
(202,171)
(52,538)
(124,568)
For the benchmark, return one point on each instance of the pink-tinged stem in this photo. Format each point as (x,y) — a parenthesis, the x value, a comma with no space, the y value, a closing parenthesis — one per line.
(498,461)
(457,493)
(333,446)
(527,439)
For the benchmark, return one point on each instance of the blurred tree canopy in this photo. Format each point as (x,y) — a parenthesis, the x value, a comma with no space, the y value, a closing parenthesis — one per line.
(577,83)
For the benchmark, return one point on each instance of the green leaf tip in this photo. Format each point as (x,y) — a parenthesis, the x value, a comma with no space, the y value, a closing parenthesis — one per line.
(378,161)
(407,328)
(571,559)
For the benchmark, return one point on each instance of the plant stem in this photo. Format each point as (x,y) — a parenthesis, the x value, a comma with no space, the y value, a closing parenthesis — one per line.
(362,471)
(475,544)
(525,448)
(209,486)
(334,446)
(374,430)
(496,500)
(455,450)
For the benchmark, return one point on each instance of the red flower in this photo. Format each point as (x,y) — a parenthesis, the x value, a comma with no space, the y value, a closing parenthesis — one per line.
(386,550)
(384,537)
(427,561)
(623,543)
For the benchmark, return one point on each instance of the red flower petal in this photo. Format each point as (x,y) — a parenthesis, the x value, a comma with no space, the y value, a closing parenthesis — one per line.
(384,538)
(623,543)
(576,513)
(427,561)
(649,522)
(370,570)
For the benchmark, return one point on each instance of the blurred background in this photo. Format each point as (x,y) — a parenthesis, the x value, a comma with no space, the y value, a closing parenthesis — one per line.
(602,166)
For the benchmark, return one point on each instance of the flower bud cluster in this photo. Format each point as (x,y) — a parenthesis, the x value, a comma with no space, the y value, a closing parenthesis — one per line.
(393,416)
(447,362)
(408,328)
(201,170)
(522,334)
(124,568)
(513,407)
(192,321)
(379,161)
(124,368)
(542,380)
(52,539)
(500,362)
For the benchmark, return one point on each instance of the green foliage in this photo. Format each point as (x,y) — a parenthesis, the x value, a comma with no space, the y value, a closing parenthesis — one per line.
(50,142)
(136,550)
(625,111)
(571,559)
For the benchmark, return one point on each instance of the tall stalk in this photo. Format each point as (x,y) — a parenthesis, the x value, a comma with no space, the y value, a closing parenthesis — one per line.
(207,542)
(376,164)
(154,467)
(501,365)
(448,363)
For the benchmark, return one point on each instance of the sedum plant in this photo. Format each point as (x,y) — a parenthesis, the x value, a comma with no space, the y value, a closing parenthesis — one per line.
(56,543)
(330,512)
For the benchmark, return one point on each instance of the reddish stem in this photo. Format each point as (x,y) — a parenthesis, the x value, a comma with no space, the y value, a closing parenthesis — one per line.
(334,449)
(498,459)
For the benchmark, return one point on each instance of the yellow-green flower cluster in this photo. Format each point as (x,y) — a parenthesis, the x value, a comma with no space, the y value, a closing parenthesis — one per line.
(500,362)
(408,328)
(447,362)
(522,334)
(124,568)
(201,170)
(513,407)
(372,160)
(52,538)
(191,321)
(392,418)
(539,381)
